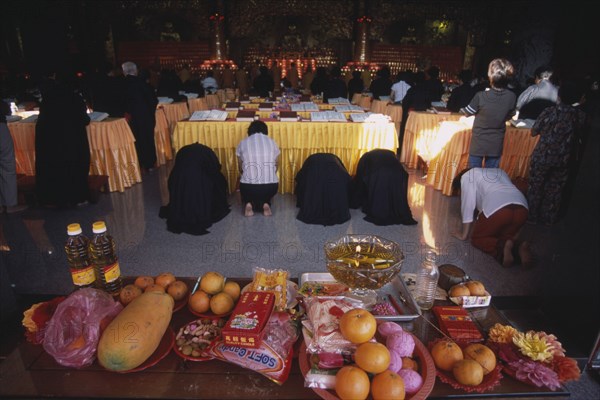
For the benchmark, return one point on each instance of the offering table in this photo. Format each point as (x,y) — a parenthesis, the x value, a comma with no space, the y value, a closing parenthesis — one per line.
(296,140)
(29,372)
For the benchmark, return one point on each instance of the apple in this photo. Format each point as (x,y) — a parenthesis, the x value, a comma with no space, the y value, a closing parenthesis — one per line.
(476,288)
(482,354)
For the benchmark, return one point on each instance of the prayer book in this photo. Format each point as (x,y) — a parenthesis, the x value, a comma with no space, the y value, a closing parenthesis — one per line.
(97,116)
(232,106)
(288,116)
(245,115)
(209,115)
(164,100)
(338,100)
(265,106)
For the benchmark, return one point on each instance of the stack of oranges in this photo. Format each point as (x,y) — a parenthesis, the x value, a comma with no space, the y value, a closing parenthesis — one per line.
(165,282)
(352,381)
(215,294)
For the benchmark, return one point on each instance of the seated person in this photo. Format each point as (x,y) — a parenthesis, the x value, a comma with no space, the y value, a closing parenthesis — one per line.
(543,88)
(197,191)
(380,187)
(209,83)
(322,186)
(462,95)
(258,156)
(501,212)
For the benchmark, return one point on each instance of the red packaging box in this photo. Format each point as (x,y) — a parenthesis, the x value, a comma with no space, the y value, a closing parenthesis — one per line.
(248,319)
(455,322)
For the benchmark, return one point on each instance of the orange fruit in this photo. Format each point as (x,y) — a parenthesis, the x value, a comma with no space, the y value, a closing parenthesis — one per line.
(352,383)
(143,282)
(445,353)
(128,293)
(373,357)
(388,385)
(358,325)
(154,288)
(409,363)
(221,303)
(177,290)
(482,354)
(212,282)
(199,302)
(165,279)
(232,289)
(468,372)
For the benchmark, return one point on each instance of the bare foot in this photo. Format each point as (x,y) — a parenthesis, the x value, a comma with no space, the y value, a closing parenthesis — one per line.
(525,254)
(507,260)
(248,210)
(267,210)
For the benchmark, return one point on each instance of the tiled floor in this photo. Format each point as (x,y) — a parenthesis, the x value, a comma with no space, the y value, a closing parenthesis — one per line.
(566,272)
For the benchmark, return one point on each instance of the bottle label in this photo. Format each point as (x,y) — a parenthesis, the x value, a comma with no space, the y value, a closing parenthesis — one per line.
(111,272)
(84,276)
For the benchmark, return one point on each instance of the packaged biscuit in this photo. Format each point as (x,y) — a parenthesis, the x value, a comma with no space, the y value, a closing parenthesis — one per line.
(271,280)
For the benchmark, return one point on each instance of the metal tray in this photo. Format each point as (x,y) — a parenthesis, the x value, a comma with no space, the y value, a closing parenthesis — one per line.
(395,291)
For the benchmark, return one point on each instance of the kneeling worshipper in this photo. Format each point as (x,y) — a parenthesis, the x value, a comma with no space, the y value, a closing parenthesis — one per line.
(62,151)
(501,212)
(322,190)
(197,191)
(379,187)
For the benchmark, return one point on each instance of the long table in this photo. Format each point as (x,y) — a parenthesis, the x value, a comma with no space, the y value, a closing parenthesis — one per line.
(112,151)
(296,140)
(30,372)
(447,155)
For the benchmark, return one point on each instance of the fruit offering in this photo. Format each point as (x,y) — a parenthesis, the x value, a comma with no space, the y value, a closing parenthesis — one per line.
(214,295)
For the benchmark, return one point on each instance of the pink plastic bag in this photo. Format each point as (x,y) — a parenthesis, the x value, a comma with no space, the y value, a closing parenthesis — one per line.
(73,333)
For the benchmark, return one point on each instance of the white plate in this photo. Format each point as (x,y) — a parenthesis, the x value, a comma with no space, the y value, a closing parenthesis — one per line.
(292,292)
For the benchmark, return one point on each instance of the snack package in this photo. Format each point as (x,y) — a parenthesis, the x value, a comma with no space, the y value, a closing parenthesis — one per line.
(324,313)
(36,318)
(73,333)
(273,358)
(271,280)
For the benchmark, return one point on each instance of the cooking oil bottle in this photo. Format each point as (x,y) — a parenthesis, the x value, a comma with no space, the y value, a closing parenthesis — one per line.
(104,259)
(78,257)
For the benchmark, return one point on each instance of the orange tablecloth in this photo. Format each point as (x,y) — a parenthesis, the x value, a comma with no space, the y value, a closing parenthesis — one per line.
(421,128)
(162,138)
(175,112)
(450,153)
(197,104)
(112,151)
(362,100)
(296,140)
(213,101)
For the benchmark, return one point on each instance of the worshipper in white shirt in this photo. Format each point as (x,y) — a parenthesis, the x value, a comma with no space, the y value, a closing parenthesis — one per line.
(258,157)
(400,88)
(543,89)
(501,213)
(209,83)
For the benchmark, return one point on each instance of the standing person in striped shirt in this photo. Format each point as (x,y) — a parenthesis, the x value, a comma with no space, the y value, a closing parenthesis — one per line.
(258,157)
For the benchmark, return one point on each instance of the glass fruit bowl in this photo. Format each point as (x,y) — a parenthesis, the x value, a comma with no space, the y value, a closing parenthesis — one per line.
(364,263)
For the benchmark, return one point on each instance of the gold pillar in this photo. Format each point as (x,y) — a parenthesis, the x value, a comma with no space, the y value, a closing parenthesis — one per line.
(218,46)
(362,46)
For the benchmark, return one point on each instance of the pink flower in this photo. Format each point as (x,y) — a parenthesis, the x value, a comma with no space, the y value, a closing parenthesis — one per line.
(536,373)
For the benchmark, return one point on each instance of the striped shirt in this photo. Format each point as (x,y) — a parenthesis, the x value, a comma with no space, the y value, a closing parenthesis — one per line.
(258,154)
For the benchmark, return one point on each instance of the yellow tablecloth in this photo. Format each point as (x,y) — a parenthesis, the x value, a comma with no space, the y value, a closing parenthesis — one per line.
(421,128)
(112,151)
(296,140)
(197,104)
(162,138)
(450,153)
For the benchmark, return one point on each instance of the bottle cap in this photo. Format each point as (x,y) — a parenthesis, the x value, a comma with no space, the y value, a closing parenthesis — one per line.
(99,227)
(73,229)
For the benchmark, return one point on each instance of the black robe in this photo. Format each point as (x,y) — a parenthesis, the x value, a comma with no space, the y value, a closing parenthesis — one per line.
(197,191)
(140,109)
(379,187)
(62,151)
(322,188)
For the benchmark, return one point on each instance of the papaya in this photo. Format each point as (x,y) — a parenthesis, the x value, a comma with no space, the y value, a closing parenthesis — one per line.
(135,333)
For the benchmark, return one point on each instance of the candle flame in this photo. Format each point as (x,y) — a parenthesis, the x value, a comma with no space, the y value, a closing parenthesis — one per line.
(358,249)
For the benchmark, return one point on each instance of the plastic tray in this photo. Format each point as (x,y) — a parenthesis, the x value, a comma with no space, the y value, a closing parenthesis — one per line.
(395,291)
